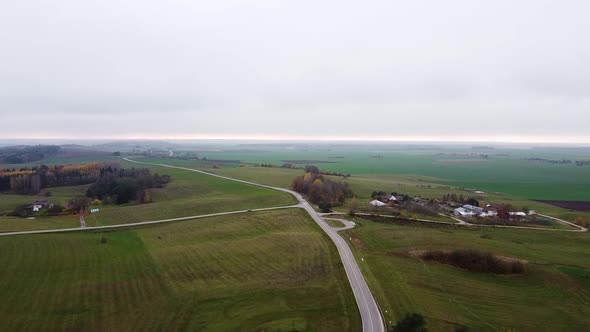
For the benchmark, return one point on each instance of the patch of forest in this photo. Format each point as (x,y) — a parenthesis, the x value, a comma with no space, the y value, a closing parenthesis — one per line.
(109,181)
(324,192)
(124,185)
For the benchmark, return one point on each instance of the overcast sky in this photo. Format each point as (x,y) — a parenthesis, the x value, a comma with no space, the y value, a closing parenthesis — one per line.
(364,69)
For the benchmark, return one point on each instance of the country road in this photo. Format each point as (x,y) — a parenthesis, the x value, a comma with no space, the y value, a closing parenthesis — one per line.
(142,223)
(577,228)
(370,314)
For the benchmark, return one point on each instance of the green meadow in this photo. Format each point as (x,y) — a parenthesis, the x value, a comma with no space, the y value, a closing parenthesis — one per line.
(276,270)
(504,171)
(188,194)
(553,294)
(363,185)
(257,271)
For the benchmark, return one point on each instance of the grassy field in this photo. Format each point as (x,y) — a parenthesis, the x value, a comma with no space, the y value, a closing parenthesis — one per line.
(334,223)
(59,196)
(215,274)
(504,171)
(364,185)
(188,193)
(554,294)
(277,271)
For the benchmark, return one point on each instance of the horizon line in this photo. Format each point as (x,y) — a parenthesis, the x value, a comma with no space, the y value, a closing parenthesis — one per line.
(530,139)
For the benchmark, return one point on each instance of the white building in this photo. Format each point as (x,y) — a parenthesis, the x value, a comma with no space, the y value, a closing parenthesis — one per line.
(464,212)
(488,213)
(377,203)
(517,214)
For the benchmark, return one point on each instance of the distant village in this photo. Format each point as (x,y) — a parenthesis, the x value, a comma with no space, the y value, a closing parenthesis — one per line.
(450,205)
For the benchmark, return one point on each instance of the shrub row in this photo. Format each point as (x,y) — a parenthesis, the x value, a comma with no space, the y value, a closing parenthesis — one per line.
(474,260)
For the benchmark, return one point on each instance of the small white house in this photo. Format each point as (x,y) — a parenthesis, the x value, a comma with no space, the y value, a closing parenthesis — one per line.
(392,199)
(37,207)
(377,203)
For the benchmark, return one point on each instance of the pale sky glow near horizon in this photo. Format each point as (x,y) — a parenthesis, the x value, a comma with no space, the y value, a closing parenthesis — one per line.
(482,71)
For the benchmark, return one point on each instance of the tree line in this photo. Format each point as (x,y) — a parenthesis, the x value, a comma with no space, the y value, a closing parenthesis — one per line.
(30,181)
(562,161)
(109,181)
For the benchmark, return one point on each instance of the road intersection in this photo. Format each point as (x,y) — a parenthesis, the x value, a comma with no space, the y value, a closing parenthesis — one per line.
(370,314)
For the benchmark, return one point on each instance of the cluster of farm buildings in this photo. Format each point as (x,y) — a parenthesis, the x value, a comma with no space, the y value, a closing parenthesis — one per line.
(395,199)
(392,200)
(465,210)
(489,211)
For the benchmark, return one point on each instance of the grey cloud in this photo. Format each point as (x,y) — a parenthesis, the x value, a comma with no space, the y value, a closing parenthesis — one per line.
(259,67)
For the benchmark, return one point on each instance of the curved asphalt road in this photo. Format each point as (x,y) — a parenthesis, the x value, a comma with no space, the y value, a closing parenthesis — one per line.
(370,314)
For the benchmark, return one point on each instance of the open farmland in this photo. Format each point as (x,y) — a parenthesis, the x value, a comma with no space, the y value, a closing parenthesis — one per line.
(222,273)
(188,193)
(504,170)
(364,185)
(553,295)
(401,281)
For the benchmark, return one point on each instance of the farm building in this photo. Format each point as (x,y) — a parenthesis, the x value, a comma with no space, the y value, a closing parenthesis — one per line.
(488,213)
(474,209)
(42,202)
(377,203)
(463,212)
(469,211)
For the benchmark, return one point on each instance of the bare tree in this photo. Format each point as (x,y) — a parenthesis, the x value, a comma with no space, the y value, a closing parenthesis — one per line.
(354,205)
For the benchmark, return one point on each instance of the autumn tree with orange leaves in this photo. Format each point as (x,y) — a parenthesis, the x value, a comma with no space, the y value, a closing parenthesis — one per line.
(324,192)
